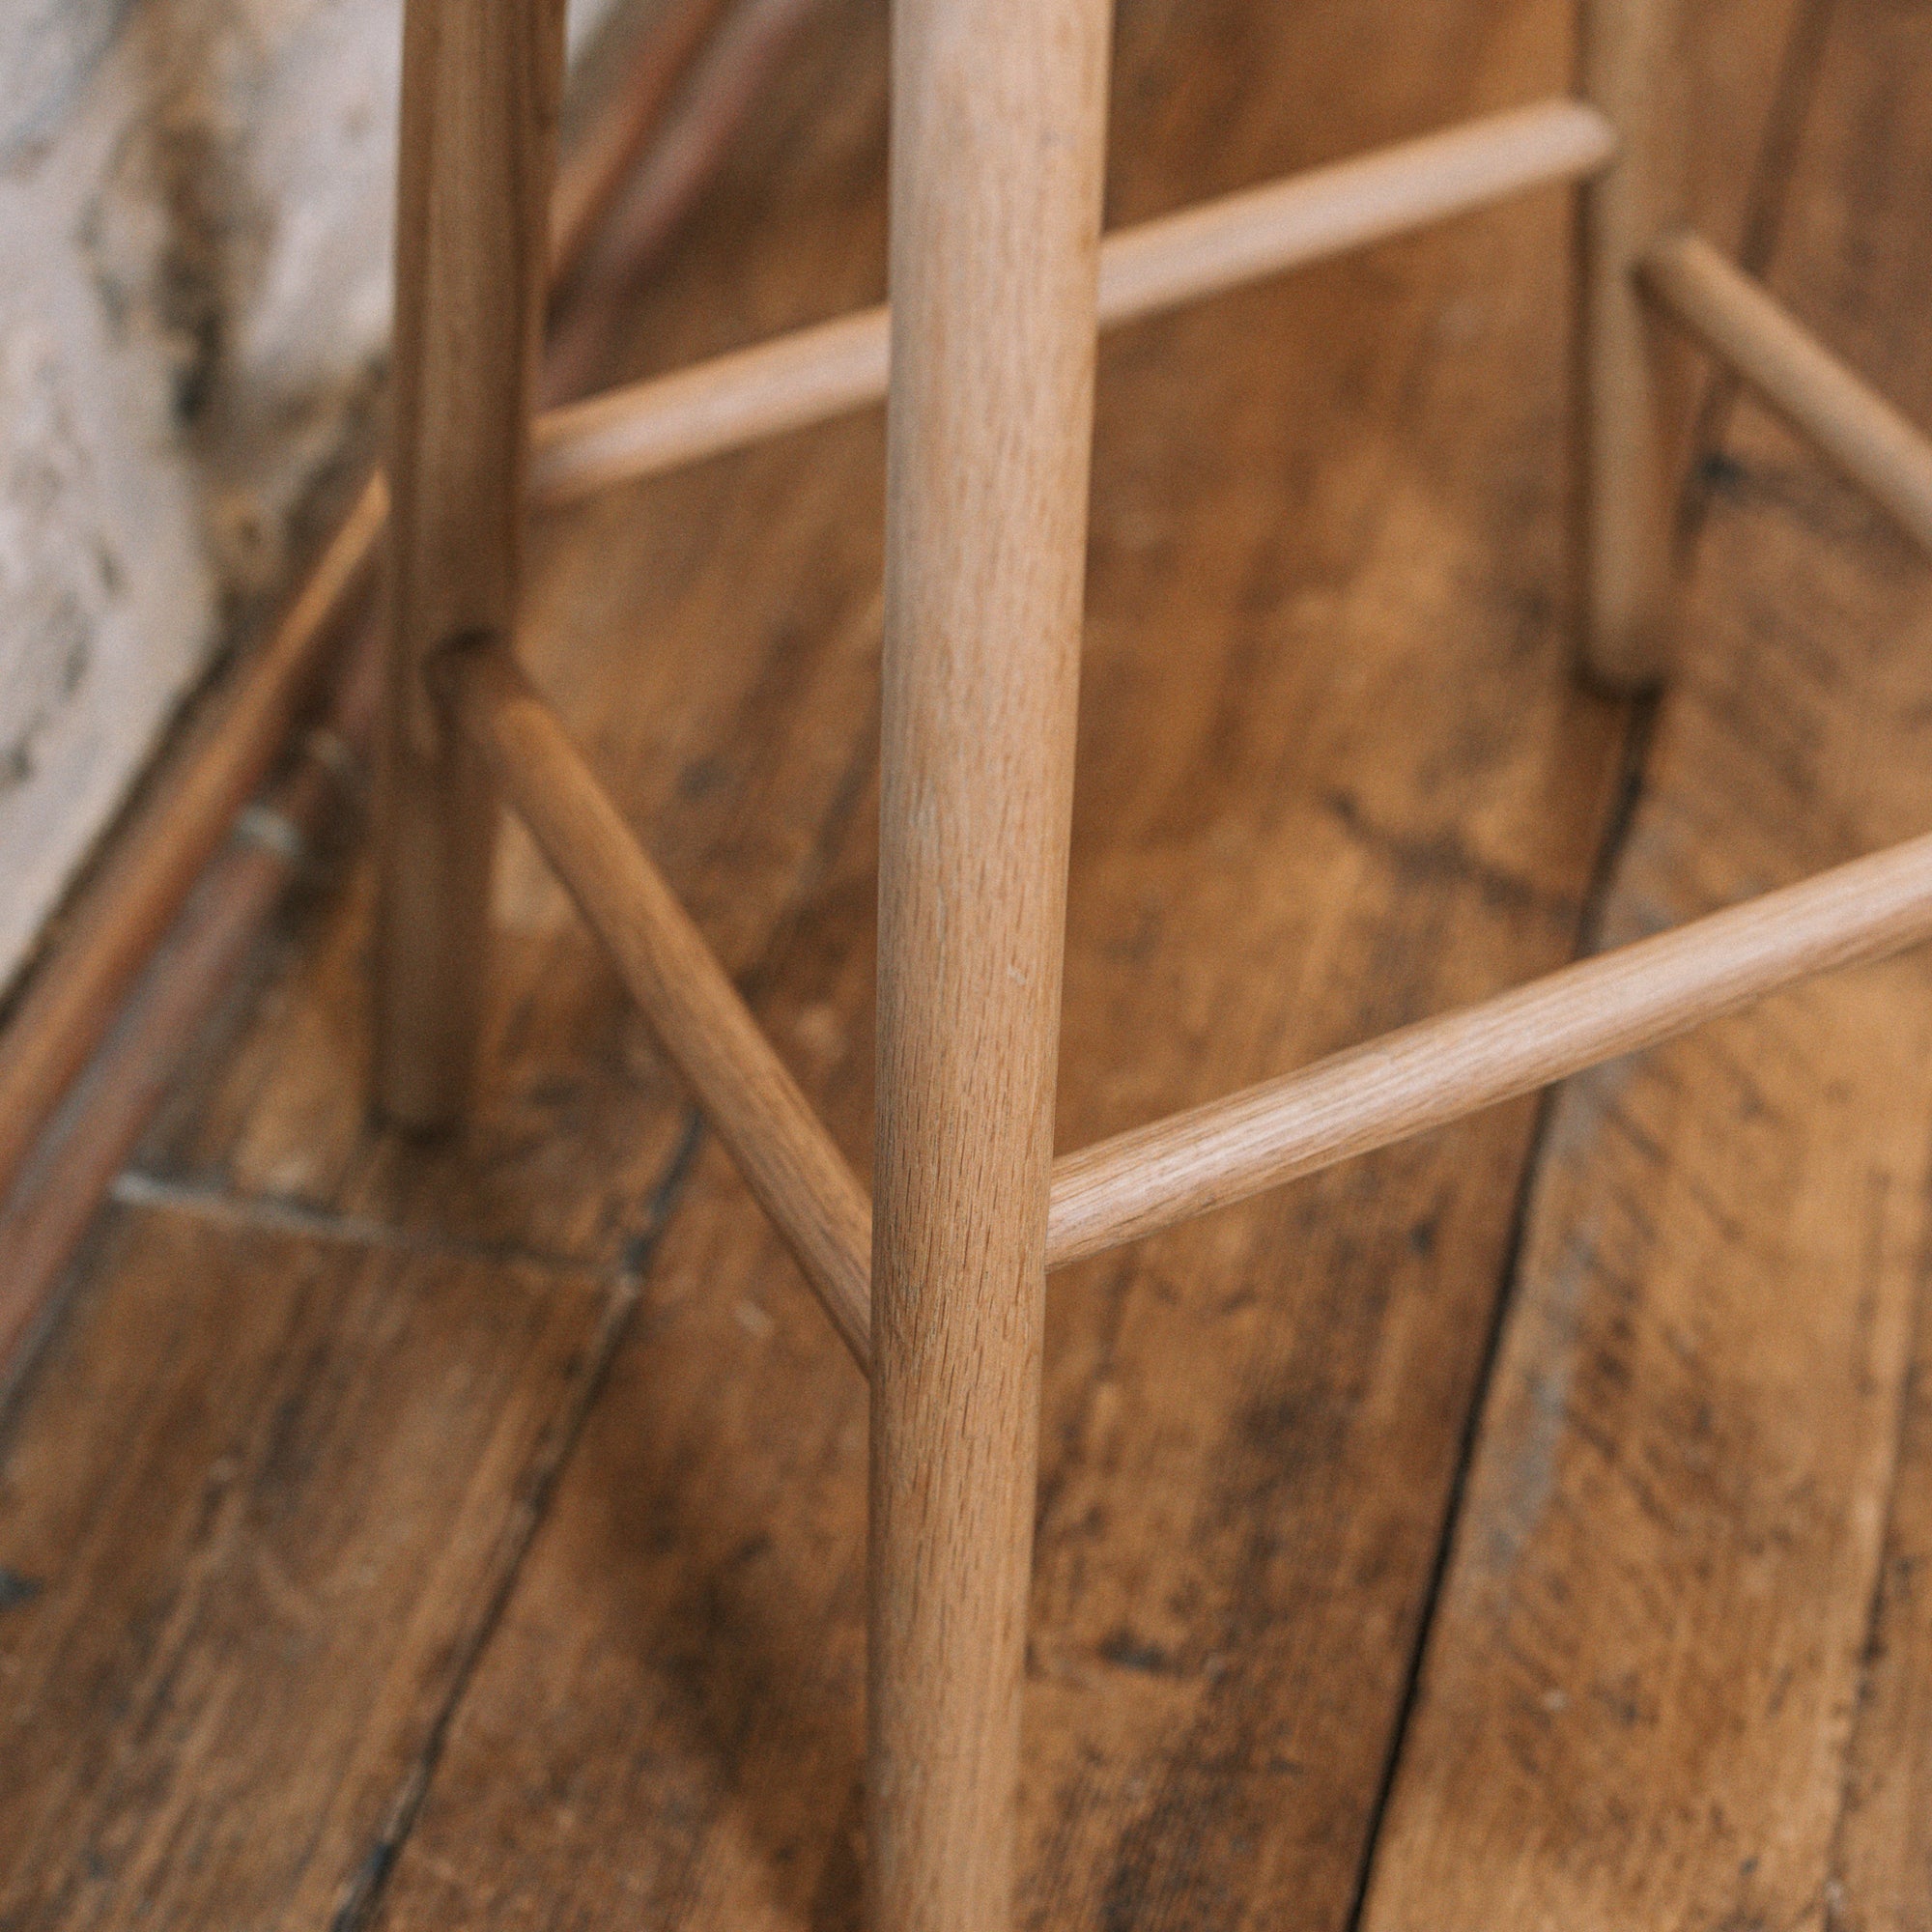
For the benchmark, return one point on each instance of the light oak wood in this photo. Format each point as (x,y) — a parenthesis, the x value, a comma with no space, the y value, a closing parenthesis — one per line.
(571,1131)
(1797,375)
(645,428)
(1231,1148)
(680,1669)
(1405,1083)
(998,123)
(1622,485)
(1429,1075)
(788,1160)
(1329,210)
(480,88)
(812,374)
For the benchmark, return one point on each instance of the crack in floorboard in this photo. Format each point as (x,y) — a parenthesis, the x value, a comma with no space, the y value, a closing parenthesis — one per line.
(1638,734)
(363,1890)
(1772,178)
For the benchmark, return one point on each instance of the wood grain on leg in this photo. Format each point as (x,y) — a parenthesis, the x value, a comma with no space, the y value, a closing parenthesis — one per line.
(1622,508)
(479,104)
(998,116)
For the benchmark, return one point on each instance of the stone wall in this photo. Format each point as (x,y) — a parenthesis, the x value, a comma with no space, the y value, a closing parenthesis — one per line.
(195,228)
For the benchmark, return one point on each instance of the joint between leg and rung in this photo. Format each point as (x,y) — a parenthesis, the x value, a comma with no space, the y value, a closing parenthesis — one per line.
(789,1161)
(480,88)
(814,374)
(1427,1076)
(1740,321)
(1123,1190)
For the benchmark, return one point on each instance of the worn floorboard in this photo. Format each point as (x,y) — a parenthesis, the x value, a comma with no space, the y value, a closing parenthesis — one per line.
(1679,1673)
(257,1497)
(412,1536)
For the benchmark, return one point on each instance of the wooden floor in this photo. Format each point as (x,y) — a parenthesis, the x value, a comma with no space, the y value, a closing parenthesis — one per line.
(1529,1527)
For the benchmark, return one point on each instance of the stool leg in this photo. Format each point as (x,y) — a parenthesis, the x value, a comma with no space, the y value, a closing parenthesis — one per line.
(1623,494)
(997,153)
(480,86)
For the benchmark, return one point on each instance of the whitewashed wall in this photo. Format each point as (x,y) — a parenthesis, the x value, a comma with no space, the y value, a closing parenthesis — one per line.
(194,291)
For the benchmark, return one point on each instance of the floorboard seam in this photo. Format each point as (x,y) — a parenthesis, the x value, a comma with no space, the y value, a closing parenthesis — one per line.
(363,1890)
(1634,762)
(364,1887)
(1451,1513)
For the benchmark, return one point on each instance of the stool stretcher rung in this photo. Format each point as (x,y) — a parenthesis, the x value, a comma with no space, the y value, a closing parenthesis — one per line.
(1426,1075)
(788,1160)
(1405,1083)
(814,374)
(1803,382)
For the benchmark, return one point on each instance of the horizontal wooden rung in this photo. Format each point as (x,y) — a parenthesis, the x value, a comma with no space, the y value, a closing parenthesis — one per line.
(814,374)
(1429,1075)
(1815,392)
(788,1160)
(1405,1083)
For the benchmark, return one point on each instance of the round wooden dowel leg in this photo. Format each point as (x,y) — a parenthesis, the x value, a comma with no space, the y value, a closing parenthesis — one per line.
(480,88)
(998,117)
(1623,488)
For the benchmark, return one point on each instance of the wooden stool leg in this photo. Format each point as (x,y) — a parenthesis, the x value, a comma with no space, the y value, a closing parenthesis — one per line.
(480,86)
(997,140)
(1623,495)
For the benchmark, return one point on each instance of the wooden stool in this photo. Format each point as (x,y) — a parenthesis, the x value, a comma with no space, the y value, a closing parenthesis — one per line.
(998,281)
